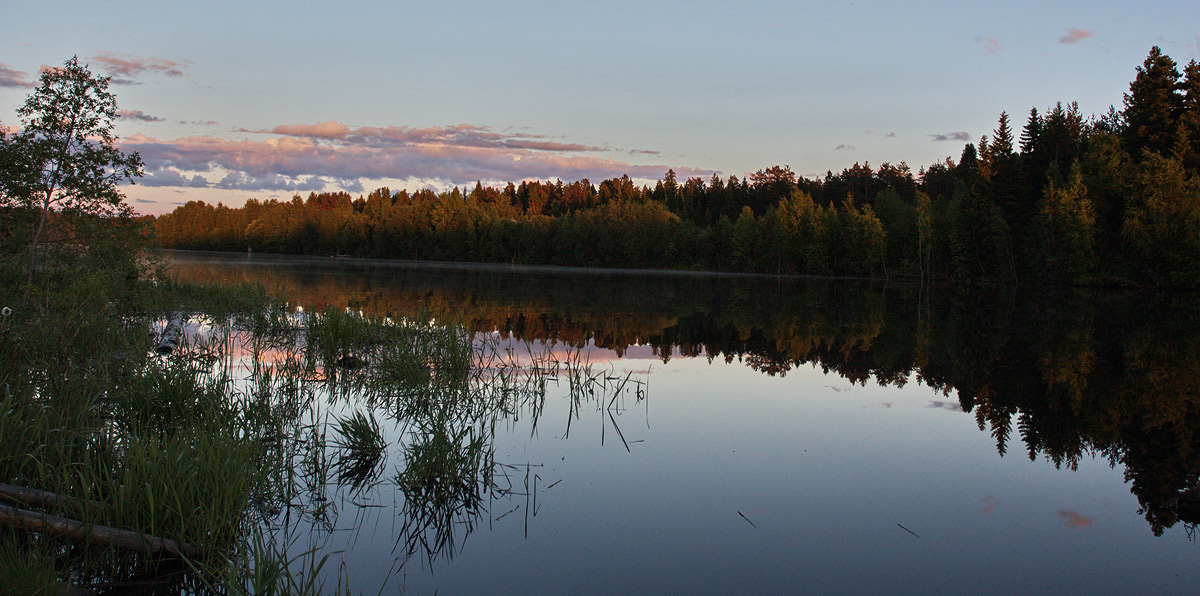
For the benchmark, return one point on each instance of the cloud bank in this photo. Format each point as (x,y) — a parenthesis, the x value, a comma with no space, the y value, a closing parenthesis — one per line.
(303,157)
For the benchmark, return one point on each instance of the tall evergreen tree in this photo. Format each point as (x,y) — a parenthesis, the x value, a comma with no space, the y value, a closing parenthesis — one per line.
(1006,176)
(1189,117)
(1153,106)
(1061,139)
(1034,159)
(1002,137)
(1031,134)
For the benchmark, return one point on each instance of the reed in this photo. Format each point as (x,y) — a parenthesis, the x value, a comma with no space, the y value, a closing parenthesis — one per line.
(27,567)
(216,444)
(165,448)
(363,450)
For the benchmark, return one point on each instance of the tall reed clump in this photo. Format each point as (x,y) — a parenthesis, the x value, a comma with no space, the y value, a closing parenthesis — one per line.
(161,448)
(339,339)
(191,462)
(363,450)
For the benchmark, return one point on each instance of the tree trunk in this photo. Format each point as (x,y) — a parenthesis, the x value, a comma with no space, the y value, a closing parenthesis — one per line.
(37,237)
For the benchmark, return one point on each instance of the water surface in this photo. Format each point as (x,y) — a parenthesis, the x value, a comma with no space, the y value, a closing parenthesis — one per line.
(783,436)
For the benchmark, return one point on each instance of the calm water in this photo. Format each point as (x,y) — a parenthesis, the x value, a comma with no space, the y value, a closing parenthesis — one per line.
(786,437)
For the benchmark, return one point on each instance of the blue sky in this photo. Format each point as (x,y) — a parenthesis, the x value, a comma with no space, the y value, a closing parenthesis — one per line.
(227,101)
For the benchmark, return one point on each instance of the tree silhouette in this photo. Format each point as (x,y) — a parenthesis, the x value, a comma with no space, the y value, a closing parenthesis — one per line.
(1153,106)
(64,161)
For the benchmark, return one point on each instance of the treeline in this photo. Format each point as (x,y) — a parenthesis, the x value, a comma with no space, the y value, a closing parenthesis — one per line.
(1111,199)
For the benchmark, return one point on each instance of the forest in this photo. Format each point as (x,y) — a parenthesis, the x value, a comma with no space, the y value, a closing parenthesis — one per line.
(1100,200)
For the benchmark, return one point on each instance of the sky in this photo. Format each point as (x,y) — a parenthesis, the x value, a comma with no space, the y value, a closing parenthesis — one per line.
(225,101)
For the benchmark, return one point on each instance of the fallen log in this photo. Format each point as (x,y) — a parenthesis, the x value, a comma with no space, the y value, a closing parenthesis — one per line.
(70,529)
(169,340)
(42,499)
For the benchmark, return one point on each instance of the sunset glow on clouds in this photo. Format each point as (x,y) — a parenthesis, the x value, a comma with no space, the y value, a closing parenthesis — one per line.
(1075,35)
(124,70)
(1074,519)
(11,77)
(304,157)
(227,101)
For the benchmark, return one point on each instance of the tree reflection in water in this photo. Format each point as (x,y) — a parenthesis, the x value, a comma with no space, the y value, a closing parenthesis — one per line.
(1069,374)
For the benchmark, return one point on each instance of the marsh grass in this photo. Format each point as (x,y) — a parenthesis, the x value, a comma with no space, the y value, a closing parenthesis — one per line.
(220,444)
(27,567)
(340,340)
(263,567)
(165,447)
(363,450)
(446,475)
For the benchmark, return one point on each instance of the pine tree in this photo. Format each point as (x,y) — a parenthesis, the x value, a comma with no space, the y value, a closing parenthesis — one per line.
(967,170)
(1062,138)
(1034,159)
(1153,106)
(1032,133)
(1002,139)
(1006,178)
(1189,117)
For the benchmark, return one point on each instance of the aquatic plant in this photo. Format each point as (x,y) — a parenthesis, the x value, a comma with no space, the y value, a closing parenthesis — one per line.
(363,450)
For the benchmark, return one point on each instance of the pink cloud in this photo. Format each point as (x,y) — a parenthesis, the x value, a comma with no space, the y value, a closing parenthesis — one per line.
(1075,35)
(138,115)
(990,504)
(321,130)
(308,156)
(465,135)
(10,77)
(124,68)
(1074,519)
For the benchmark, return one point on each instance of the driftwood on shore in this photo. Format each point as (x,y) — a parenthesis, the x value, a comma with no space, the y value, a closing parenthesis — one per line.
(55,525)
